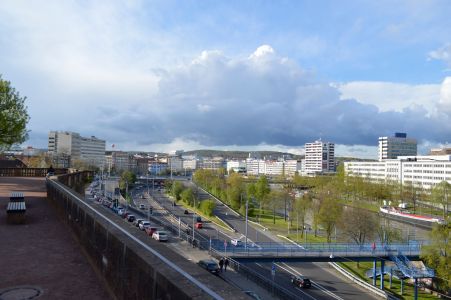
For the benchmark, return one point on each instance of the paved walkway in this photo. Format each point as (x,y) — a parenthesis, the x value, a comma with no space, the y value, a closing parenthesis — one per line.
(41,256)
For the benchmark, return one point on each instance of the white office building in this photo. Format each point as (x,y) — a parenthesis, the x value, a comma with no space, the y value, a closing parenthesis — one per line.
(319,158)
(65,143)
(395,146)
(420,171)
(238,166)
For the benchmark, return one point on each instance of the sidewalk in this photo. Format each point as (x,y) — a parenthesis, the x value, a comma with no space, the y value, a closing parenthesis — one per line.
(41,257)
(194,254)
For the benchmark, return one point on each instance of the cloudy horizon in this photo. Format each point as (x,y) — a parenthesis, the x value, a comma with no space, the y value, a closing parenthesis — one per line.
(164,75)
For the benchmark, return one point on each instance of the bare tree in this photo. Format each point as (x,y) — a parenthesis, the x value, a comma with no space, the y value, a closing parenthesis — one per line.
(359,225)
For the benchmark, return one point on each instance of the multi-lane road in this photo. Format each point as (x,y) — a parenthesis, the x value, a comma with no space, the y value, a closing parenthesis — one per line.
(326,283)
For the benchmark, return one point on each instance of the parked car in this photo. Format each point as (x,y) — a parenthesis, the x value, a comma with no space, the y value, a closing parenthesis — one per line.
(142,206)
(301,281)
(160,235)
(209,265)
(143,225)
(198,219)
(236,242)
(125,215)
(150,230)
(131,218)
(199,225)
(137,221)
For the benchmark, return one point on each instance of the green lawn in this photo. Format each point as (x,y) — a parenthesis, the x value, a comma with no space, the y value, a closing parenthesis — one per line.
(396,283)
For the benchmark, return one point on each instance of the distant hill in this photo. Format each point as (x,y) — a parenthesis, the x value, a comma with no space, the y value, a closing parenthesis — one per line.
(242,154)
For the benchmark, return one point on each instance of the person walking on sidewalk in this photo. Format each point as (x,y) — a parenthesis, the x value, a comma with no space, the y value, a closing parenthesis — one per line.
(226,264)
(221,264)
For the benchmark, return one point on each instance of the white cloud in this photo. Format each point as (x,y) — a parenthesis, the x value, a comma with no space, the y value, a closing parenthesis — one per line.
(445,96)
(391,96)
(443,53)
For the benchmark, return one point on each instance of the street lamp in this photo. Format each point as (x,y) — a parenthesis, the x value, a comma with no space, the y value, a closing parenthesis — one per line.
(245,239)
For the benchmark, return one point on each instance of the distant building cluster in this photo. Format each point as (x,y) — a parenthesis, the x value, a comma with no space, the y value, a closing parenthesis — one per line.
(399,162)
(68,149)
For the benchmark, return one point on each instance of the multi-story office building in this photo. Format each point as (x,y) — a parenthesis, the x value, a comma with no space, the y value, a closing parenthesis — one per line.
(319,158)
(65,142)
(420,171)
(237,166)
(398,145)
(255,166)
(212,163)
(118,161)
(71,145)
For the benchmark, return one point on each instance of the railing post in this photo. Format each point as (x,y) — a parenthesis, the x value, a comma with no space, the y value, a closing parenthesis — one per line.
(382,274)
(374,272)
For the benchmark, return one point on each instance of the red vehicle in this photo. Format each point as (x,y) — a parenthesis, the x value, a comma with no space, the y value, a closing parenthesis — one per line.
(150,230)
(199,225)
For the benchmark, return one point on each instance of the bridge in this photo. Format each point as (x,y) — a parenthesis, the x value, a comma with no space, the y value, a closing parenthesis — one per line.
(318,251)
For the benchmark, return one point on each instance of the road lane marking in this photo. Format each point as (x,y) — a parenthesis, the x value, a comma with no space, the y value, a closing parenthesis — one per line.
(323,289)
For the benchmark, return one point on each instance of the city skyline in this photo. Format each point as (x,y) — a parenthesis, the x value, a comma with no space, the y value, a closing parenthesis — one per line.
(232,75)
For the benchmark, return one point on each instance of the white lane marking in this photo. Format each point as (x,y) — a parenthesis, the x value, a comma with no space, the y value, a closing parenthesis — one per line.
(323,289)
(310,296)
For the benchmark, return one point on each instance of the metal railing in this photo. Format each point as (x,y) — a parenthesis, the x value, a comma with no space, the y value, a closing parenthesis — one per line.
(28,172)
(413,248)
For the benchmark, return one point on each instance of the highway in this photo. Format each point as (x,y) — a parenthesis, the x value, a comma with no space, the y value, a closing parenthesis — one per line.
(326,284)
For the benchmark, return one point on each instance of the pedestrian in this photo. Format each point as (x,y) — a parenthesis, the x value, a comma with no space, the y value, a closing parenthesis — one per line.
(226,264)
(221,264)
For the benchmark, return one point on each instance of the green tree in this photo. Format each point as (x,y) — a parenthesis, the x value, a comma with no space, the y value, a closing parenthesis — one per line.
(177,189)
(262,190)
(437,255)
(235,190)
(127,178)
(187,196)
(441,194)
(329,214)
(207,207)
(300,209)
(13,116)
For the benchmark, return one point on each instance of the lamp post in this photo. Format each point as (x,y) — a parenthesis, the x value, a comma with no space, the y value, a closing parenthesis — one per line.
(245,239)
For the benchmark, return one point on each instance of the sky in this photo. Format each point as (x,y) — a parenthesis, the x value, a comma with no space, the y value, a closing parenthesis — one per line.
(232,75)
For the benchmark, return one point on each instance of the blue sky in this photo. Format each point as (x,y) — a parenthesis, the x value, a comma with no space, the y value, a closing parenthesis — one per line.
(165,75)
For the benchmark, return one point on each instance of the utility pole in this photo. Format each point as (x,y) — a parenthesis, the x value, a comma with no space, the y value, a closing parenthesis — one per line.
(245,241)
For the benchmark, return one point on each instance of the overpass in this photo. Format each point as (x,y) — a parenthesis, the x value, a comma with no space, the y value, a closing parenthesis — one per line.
(315,252)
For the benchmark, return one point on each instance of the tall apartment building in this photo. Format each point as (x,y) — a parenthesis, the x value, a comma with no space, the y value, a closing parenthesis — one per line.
(319,158)
(398,145)
(70,144)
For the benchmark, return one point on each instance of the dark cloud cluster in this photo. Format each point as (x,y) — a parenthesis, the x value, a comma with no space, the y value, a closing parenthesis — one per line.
(262,99)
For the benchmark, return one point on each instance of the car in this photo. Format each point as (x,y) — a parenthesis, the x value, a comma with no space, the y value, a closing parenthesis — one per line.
(125,215)
(198,219)
(209,265)
(143,225)
(199,225)
(160,235)
(121,212)
(236,242)
(137,221)
(301,281)
(150,230)
(131,218)
(142,206)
